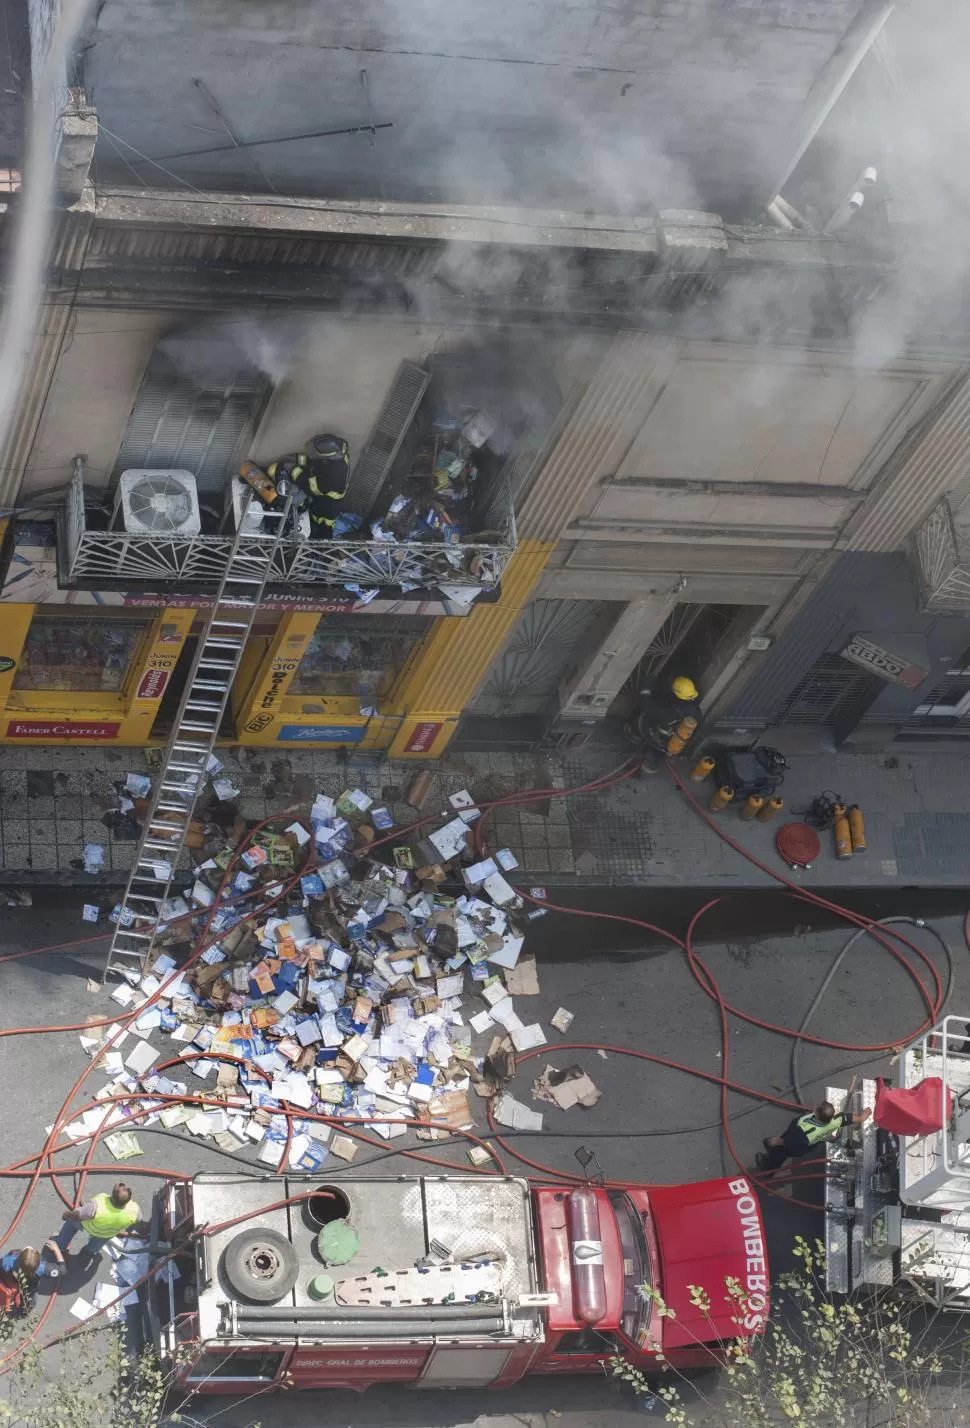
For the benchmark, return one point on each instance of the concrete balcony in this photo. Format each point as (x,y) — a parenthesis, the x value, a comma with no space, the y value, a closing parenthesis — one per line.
(90,555)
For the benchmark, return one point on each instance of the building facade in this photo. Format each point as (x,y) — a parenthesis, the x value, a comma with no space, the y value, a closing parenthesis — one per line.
(691,463)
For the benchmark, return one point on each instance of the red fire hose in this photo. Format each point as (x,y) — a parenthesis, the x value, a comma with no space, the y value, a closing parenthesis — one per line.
(927,982)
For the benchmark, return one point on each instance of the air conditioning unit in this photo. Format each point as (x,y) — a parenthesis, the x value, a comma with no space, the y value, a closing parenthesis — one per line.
(236,493)
(157,503)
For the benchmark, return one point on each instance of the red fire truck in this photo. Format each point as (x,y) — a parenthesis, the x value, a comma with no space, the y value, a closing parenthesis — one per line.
(445,1281)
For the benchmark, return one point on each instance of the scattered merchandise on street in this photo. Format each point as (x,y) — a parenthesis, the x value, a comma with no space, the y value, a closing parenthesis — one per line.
(300,971)
(330,979)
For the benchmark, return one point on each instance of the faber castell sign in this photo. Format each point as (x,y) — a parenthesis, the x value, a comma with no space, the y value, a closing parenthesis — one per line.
(882,662)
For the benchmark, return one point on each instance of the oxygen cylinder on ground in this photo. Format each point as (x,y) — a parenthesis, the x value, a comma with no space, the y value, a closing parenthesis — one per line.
(752,806)
(771,809)
(857,829)
(702,769)
(721,798)
(843,837)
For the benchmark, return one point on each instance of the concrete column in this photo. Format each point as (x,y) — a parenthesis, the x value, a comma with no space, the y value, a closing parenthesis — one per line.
(69,250)
(588,691)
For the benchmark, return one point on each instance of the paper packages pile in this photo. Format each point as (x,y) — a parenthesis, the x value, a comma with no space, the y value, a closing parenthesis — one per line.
(367,992)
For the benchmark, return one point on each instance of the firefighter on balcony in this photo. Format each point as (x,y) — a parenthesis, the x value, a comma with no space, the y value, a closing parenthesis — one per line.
(660,712)
(320,475)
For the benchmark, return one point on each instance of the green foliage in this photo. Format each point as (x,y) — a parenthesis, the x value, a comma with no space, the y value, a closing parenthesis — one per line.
(88,1382)
(822,1362)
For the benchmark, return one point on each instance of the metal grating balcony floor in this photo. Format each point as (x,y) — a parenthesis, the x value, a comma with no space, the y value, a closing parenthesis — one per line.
(91,556)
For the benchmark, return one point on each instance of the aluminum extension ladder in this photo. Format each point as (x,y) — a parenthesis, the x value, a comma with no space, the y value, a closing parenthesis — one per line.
(183,771)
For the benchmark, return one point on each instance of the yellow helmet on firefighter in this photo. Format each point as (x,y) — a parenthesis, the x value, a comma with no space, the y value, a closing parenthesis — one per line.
(684,688)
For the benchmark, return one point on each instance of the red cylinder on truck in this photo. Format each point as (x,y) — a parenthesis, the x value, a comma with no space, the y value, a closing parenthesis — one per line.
(586,1254)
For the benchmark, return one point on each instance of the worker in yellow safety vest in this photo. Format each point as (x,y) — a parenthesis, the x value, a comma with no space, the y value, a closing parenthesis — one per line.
(103,1217)
(806,1132)
(321,475)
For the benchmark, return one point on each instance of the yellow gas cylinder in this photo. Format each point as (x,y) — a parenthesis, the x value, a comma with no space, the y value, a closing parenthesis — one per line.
(843,838)
(770,810)
(722,798)
(256,477)
(752,806)
(702,769)
(683,732)
(857,829)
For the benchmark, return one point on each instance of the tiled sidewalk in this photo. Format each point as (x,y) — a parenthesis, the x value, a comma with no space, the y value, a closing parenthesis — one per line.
(52,801)
(917,813)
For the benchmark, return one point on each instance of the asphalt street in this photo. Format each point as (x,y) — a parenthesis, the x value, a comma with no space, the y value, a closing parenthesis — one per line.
(626,989)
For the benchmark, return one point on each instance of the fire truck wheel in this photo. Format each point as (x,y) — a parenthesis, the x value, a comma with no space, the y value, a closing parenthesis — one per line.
(260,1265)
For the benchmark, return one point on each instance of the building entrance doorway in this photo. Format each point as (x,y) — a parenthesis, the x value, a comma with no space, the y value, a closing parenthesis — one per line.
(689,642)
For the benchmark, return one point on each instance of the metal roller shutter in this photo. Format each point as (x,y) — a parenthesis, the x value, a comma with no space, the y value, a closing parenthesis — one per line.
(512,480)
(203,425)
(832,694)
(369,476)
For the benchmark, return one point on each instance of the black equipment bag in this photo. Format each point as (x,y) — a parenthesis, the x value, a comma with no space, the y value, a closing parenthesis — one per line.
(749,771)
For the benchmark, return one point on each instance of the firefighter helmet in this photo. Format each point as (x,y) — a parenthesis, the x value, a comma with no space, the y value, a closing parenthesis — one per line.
(328,445)
(684,688)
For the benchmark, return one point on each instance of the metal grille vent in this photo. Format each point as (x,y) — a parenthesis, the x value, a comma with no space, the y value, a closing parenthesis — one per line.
(160,504)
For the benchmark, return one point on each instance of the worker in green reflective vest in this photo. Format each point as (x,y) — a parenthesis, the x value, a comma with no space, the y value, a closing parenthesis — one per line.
(806,1132)
(103,1217)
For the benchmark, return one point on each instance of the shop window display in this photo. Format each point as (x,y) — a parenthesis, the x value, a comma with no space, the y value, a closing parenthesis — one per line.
(356,658)
(79,655)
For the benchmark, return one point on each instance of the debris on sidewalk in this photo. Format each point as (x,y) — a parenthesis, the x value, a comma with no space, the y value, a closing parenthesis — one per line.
(522,980)
(124,1145)
(512,1113)
(562,1020)
(347,974)
(93,857)
(571,1087)
(82,1308)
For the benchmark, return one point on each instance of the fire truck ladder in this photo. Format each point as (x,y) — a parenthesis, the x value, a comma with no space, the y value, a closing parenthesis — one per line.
(183,771)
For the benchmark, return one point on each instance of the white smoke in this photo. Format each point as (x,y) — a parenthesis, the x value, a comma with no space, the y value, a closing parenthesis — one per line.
(24,285)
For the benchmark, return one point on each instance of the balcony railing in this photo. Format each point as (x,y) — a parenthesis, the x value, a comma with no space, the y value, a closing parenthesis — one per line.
(941,550)
(89,556)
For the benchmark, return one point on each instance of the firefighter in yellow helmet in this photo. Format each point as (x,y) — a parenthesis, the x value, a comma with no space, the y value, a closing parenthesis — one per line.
(659,712)
(684,689)
(321,474)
